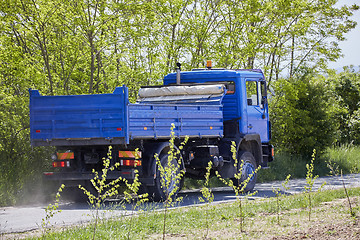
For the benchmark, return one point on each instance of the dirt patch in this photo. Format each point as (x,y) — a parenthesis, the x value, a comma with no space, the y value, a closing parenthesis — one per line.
(331,221)
(334,231)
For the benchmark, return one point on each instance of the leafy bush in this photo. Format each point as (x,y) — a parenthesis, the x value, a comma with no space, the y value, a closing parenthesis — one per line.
(21,166)
(300,115)
(346,90)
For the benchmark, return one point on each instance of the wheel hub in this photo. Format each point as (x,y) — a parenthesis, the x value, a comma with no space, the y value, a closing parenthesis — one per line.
(248,170)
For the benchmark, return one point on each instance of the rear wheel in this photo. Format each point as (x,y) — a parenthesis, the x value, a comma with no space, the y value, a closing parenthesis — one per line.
(169,181)
(248,170)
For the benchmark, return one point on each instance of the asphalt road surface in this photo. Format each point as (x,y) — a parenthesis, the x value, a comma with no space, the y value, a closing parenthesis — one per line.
(27,218)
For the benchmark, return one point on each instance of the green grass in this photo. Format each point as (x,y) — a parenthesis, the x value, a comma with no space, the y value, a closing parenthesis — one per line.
(192,222)
(346,158)
(283,165)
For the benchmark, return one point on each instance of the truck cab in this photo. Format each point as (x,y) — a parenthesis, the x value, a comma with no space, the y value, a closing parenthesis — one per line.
(245,112)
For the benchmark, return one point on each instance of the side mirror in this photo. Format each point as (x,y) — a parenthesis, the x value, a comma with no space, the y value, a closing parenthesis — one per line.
(263,100)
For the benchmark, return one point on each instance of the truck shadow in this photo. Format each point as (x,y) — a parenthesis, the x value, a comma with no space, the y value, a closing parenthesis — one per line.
(188,198)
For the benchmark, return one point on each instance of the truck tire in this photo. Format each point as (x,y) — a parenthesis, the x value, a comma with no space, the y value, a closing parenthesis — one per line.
(159,192)
(248,168)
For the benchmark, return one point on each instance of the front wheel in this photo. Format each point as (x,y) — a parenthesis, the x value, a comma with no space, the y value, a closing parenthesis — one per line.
(248,171)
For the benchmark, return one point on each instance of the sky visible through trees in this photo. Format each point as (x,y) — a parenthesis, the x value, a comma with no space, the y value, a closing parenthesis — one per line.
(350,47)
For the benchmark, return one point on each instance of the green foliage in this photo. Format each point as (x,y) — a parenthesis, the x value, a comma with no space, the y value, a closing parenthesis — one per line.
(335,171)
(67,47)
(132,195)
(310,180)
(283,165)
(346,94)
(21,165)
(351,210)
(300,115)
(207,195)
(345,157)
(105,189)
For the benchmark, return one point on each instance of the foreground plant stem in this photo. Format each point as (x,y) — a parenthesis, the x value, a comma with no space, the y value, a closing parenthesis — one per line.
(352,213)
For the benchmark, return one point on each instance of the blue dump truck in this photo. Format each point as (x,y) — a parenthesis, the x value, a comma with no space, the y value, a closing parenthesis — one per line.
(213,107)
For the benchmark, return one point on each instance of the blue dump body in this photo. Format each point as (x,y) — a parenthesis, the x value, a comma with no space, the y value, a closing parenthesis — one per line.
(68,120)
(103,119)
(214,108)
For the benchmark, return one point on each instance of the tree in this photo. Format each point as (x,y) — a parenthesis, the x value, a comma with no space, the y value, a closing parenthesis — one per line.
(301,115)
(346,93)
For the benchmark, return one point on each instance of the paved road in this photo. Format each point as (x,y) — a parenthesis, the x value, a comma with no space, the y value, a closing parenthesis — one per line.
(22,219)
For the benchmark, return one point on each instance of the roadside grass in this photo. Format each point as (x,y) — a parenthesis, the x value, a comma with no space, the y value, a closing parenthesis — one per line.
(190,222)
(346,158)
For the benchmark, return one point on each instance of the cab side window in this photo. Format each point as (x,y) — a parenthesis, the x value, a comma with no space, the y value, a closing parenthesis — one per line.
(252,92)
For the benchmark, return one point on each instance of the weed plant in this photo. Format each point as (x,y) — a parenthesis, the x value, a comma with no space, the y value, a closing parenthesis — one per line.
(103,188)
(282,166)
(334,170)
(345,157)
(171,173)
(278,195)
(132,196)
(310,180)
(50,211)
(240,187)
(190,183)
(352,213)
(207,196)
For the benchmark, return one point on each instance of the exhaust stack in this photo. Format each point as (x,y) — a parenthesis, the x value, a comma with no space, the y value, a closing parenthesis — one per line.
(178,70)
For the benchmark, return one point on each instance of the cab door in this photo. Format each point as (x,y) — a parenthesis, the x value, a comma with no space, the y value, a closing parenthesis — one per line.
(257,108)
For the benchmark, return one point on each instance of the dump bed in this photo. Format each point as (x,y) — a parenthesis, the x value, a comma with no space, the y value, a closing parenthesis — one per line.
(103,119)
(79,120)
